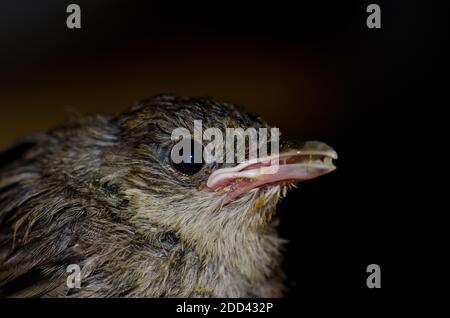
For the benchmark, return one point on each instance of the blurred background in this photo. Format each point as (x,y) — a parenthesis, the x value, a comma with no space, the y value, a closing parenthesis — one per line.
(313,70)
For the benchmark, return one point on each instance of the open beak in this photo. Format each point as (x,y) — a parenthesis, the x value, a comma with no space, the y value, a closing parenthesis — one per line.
(308,161)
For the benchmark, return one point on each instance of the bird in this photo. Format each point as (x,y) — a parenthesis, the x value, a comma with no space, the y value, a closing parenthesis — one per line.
(102,192)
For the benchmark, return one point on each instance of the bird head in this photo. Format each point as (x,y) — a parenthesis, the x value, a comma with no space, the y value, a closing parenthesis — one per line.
(208,205)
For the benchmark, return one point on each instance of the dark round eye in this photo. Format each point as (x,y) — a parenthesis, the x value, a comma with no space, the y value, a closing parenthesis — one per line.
(184,160)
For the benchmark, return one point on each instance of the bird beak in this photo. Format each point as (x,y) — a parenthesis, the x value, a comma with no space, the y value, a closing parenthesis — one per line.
(305,162)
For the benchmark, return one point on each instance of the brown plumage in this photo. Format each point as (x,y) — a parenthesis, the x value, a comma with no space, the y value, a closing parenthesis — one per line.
(100,192)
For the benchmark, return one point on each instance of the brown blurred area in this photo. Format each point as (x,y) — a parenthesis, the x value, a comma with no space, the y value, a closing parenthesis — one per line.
(122,55)
(289,88)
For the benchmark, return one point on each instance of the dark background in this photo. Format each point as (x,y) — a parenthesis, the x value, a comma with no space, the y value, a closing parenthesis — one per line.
(313,70)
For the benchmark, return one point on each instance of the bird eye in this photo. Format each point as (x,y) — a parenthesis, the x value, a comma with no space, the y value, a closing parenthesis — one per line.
(183,159)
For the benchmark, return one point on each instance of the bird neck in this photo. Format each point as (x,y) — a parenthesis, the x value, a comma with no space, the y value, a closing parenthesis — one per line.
(253,252)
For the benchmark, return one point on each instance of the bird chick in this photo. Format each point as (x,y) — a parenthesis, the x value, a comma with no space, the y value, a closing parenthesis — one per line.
(102,192)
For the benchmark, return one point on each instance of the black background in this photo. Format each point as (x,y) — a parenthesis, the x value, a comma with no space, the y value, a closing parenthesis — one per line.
(377,96)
